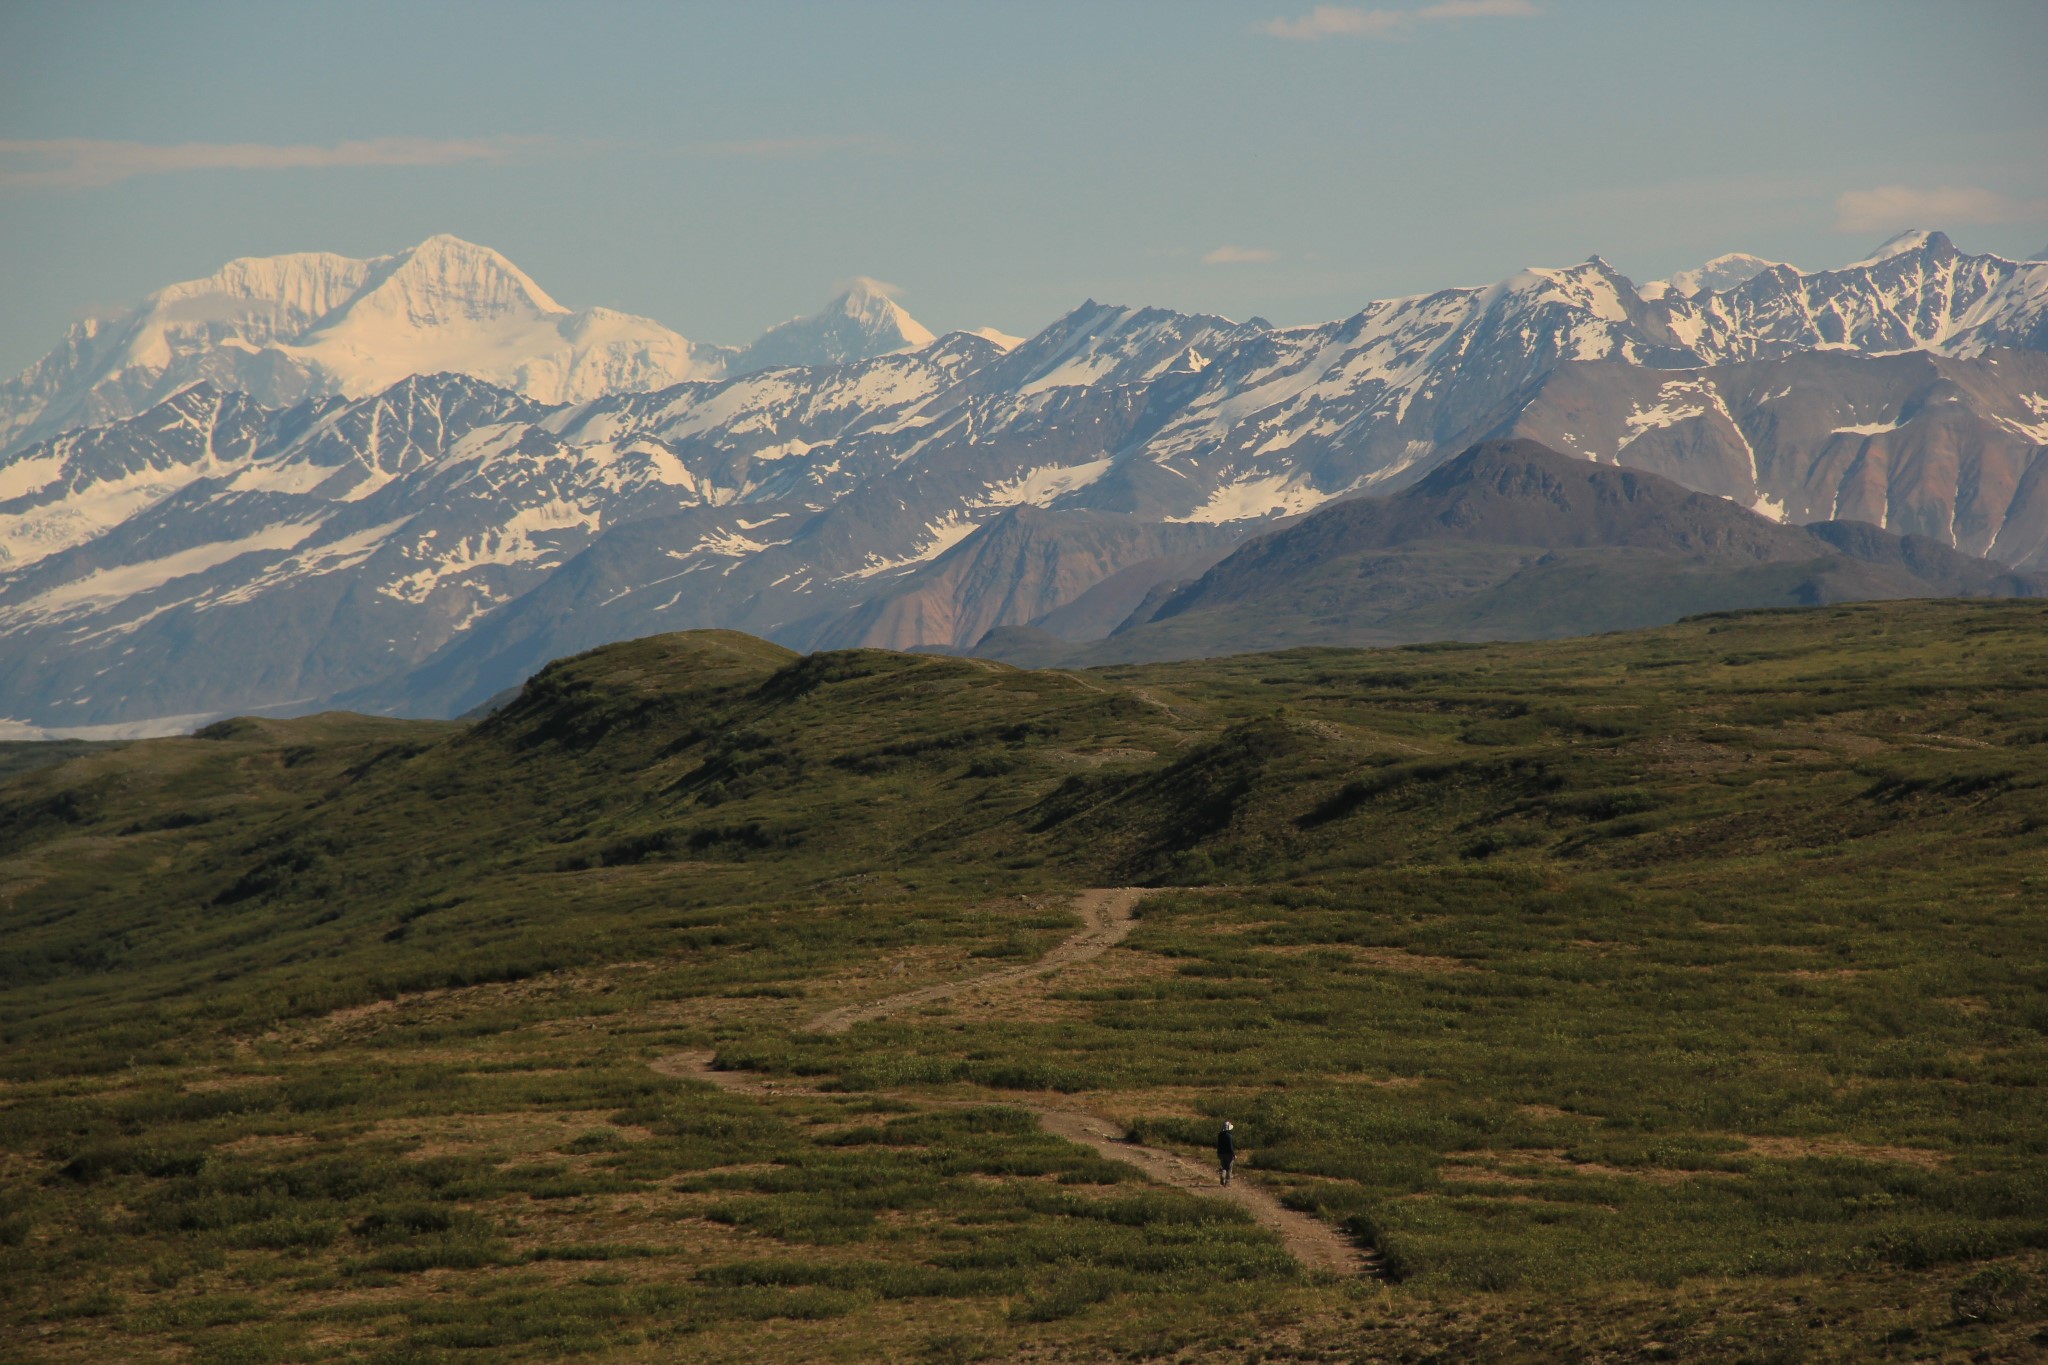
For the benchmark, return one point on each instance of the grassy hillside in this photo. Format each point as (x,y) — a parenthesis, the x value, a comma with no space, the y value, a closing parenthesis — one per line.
(1671,995)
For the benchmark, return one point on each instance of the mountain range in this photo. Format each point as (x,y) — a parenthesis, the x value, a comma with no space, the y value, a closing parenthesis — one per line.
(184,541)
(1512,540)
(285,328)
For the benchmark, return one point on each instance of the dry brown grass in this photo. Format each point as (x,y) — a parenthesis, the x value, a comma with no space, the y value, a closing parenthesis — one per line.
(1799,1148)
(1096,758)
(1382,959)
(518,1135)
(266,1142)
(1539,1163)
(1550,1111)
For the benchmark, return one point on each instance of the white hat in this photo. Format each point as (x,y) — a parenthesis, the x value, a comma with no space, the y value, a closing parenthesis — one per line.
(1226,1124)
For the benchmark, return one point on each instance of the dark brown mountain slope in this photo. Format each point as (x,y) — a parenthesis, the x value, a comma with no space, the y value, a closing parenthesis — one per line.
(1020,566)
(1512,540)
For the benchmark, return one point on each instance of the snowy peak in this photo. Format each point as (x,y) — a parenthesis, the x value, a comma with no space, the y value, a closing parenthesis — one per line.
(451,306)
(1911,240)
(255,300)
(1723,272)
(1101,345)
(860,322)
(840,502)
(1592,286)
(1002,341)
(313,324)
(444,281)
(1918,292)
(868,304)
(295,289)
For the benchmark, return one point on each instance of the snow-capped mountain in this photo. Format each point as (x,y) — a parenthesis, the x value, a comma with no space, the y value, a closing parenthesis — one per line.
(1723,272)
(1511,539)
(859,323)
(425,546)
(283,328)
(1913,442)
(1916,293)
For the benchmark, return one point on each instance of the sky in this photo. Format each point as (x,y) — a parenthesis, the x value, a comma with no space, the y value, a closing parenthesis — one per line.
(720,167)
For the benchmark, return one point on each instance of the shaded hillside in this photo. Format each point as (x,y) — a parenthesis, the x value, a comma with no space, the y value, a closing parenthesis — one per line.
(1512,540)
(1919,443)
(1023,565)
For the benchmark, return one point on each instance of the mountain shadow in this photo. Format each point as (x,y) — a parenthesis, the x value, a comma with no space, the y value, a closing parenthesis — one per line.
(1514,541)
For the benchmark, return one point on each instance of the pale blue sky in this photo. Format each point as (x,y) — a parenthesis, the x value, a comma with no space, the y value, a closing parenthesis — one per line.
(720,166)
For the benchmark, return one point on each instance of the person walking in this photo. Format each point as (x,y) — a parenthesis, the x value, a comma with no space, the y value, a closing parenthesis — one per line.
(1226,1150)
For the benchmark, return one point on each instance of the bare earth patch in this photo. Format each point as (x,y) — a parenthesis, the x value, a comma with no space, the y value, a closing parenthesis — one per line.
(1555,1161)
(1383,1082)
(209,1084)
(503,1137)
(1794,1149)
(265,1142)
(1548,1111)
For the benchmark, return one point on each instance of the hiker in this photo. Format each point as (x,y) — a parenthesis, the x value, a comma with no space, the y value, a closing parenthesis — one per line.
(1226,1150)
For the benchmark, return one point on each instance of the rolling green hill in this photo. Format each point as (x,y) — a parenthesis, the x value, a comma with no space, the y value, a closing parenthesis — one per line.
(1669,995)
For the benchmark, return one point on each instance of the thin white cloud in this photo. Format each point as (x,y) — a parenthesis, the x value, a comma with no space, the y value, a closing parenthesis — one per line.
(1239,255)
(1902,206)
(1340,21)
(81,163)
(1345,21)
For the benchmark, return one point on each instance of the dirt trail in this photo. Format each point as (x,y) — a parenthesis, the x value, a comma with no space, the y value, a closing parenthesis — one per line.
(1140,693)
(1316,1244)
(1108,916)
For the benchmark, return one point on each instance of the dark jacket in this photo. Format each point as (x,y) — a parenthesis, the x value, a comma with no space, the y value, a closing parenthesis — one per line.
(1226,1146)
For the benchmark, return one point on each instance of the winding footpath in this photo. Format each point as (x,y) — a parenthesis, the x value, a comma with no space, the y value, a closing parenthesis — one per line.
(1106,913)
